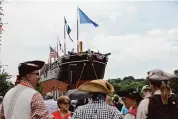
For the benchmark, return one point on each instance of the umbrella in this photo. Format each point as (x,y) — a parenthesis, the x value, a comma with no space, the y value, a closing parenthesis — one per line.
(76,94)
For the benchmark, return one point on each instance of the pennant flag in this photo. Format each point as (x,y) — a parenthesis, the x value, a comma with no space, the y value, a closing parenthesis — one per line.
(60,45)
(68,29)
(84,19)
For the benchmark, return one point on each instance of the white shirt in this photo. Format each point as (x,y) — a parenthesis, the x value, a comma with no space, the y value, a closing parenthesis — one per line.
(17,101)
(142,109)
(51,105)
(129,116)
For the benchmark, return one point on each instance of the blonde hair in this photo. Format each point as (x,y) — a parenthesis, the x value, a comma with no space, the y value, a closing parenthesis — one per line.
(165,92)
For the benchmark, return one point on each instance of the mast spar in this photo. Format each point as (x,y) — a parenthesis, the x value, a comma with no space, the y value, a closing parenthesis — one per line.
(77,32)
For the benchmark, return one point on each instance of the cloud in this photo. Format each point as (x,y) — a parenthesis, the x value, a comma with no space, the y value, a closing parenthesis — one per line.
(138,41)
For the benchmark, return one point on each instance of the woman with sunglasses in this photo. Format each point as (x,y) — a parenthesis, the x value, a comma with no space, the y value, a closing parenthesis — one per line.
(63,113)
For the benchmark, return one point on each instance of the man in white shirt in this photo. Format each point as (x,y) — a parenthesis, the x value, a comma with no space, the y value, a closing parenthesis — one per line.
(51,104)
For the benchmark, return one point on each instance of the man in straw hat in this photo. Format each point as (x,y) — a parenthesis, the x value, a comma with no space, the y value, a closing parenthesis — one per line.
(163,104)
(97,108)
(23,101)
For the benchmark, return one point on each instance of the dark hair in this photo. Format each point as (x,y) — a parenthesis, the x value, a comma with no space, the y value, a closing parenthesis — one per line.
(116,98)
(98,96)
(165,90)
(62,99)
(18,79)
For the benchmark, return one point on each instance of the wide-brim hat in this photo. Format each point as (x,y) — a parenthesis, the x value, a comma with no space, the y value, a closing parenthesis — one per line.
(97,86)
(29,66)
(130,93)
(159,75)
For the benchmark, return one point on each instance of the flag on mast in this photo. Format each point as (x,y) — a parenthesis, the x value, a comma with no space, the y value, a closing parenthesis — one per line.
(67,28)
(84,19)
(53,53)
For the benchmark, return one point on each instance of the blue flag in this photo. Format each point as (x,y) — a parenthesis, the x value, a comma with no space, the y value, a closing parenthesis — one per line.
(85,20)
(68,30)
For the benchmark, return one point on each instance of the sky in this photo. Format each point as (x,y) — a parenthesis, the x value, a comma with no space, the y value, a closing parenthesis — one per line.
(140,36)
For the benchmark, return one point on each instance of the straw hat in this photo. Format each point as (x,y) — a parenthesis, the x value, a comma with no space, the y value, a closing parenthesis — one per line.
(99,85)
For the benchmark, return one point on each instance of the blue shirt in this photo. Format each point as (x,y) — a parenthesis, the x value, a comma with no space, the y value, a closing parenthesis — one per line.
(124,110)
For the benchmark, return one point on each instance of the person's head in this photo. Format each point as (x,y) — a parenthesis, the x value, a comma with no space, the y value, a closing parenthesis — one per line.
(63,103)
(116,98)
(98,89)
(159,80)
(108,100)
(146,91)
(1,99)
(49,95)
(131,98)
(29,71)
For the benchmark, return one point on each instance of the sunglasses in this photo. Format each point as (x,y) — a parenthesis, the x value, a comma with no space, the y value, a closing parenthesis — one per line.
(66,103)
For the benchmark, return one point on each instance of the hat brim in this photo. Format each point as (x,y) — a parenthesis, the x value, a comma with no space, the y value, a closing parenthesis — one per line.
(40,64)
(30,66)
(101,86)
(129,95)
(159,75)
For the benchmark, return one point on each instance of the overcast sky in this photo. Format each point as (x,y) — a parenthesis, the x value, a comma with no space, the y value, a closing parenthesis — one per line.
(139,35)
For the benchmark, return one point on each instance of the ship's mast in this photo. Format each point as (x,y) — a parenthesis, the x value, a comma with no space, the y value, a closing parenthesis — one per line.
(64,37)
(77,32)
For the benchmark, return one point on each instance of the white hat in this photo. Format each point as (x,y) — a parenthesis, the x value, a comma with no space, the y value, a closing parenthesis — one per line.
(49,94)
(146,87)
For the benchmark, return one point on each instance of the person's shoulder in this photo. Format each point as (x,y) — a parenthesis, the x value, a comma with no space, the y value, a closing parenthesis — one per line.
(114,109)
(129,116)
(55,112)
(145,100)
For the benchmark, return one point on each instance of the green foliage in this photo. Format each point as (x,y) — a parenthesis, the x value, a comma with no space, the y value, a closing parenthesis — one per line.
(39,87)
(5,83)
(174,83)
(127,82)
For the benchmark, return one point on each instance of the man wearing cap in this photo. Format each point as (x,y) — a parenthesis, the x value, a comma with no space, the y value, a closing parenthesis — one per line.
(162,104)
(51,104)
(146,91)
(97,108)
(23,101)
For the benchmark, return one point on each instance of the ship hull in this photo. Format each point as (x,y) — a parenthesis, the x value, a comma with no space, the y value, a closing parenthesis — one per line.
(75,69)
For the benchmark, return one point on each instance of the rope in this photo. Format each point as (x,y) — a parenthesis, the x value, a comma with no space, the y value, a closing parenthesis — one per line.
(80,75)
(94,71)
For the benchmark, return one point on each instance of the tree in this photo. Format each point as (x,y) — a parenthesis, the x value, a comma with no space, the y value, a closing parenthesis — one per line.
(127,82)
(174,83)
(5,83)
(39,88)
